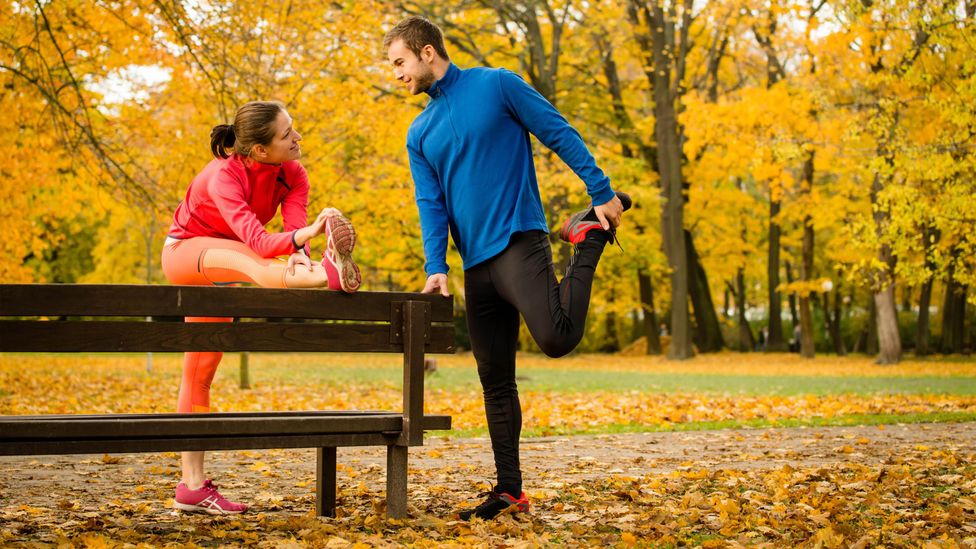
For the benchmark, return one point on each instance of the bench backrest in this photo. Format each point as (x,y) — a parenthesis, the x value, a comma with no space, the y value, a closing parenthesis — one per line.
(71,318)
(371,321)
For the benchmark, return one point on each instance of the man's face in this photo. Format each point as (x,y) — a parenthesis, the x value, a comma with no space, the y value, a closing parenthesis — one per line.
(413,71)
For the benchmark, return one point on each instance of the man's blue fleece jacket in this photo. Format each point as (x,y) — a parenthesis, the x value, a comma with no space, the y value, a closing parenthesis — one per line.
(472,167)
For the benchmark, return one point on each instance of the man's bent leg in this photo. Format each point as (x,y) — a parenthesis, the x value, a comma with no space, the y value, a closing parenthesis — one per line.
(555,312)
(493,325)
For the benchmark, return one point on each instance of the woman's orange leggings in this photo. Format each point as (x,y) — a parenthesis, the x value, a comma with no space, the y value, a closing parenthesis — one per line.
(205,261)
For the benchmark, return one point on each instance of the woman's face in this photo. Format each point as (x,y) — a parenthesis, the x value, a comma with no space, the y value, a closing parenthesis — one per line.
(284,146)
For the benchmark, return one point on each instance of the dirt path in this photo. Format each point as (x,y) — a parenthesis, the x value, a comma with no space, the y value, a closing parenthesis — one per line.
(42,498)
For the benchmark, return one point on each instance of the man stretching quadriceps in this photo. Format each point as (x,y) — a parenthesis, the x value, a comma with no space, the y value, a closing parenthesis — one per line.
(474,178)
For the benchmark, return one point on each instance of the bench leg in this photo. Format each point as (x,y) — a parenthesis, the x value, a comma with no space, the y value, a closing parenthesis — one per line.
(325,482)
(396,481)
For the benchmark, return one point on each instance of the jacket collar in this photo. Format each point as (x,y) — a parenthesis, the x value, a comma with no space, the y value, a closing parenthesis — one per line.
(259,169)
(446,81)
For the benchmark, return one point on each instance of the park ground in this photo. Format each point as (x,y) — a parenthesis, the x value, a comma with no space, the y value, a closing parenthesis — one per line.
(725,450)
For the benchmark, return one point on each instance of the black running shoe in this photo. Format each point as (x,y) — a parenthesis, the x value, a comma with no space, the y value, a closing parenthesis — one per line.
(496,503)
(582,222)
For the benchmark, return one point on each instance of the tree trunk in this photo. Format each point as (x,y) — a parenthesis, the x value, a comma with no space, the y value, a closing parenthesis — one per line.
(835,334)
(889,341)
(836,337)
(775,342)
(651,331)
(664,46)
(708,332)
(745,342)
(922,326)
(792,297)
(807,347)
(871,347)
(953,314)
(774,72)
(726,304)
(662,31)
(611,342)
(964,344)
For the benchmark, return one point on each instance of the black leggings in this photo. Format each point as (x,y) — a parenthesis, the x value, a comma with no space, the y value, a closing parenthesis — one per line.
(522,279)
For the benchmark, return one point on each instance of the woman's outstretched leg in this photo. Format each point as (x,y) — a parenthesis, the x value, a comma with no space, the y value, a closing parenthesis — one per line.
(206,261)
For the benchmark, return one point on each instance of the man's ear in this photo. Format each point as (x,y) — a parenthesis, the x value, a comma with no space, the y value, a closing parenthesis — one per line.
(428,53)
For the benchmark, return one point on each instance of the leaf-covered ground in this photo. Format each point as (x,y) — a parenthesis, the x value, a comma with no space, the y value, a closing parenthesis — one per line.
(892,486)
(889,484)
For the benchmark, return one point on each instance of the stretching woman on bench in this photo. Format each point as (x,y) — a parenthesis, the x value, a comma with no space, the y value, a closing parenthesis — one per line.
(218,238)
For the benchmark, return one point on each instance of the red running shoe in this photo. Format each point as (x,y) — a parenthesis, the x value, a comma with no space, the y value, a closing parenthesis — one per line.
(496,503)
(581,223)
(206,500)
(342,270)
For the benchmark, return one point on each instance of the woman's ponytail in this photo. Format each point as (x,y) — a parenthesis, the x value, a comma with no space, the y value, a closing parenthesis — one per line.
(254,124)
(222,139)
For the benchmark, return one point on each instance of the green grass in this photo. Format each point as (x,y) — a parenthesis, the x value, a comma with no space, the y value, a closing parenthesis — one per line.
(838,421)
(576,380)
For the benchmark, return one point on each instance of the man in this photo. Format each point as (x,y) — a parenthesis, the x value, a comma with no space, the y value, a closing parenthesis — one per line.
(474,177)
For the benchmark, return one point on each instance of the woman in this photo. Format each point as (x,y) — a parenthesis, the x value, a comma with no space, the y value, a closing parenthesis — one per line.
(218,238)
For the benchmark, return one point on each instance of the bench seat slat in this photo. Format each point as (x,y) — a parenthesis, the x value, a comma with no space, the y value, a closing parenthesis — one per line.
(45,428)
(132,336)
(152,300)
(183,444)
(111,417)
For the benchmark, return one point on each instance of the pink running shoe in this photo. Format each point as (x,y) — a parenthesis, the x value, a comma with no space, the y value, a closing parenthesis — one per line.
(342,270)
(206,500)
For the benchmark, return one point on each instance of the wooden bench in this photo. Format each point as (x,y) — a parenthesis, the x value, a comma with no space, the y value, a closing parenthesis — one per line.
(72,318)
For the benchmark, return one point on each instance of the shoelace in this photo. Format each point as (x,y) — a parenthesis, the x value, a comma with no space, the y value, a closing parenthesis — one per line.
(616,239)
(491,496)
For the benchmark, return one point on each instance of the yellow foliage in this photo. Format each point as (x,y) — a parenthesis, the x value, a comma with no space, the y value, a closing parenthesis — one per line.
(101,156)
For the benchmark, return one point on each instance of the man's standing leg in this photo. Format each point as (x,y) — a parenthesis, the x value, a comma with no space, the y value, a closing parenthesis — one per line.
(493,325)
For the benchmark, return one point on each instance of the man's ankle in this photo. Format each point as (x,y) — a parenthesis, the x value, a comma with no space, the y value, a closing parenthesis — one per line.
(513,490)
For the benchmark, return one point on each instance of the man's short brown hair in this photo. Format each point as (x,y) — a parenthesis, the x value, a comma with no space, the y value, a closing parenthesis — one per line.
(417,32)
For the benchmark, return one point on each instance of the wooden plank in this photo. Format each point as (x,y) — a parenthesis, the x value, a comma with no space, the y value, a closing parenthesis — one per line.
(132,446)
(325,481)
(415,321)
(178,301)
(52,427)
(396,481)
(214,415)
(131,336)
(436,423)
(191,426)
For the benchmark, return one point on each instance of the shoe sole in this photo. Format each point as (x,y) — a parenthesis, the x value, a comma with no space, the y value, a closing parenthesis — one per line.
(342,240)
(207,510)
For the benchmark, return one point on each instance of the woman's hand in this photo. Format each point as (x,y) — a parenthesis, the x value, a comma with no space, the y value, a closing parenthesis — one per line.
(296,259)
(316,227)
(323,216)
